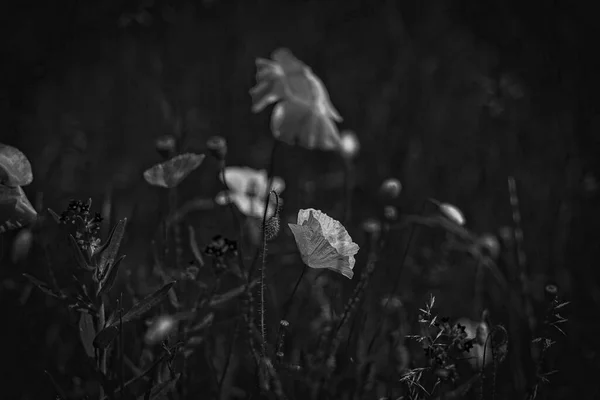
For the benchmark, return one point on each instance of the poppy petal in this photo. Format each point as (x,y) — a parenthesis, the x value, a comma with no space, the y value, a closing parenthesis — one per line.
(15,169)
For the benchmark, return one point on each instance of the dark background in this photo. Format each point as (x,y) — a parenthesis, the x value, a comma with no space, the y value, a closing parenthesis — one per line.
(451,97)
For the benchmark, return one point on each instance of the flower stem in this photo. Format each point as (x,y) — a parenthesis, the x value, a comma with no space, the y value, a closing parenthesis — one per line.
(263,330)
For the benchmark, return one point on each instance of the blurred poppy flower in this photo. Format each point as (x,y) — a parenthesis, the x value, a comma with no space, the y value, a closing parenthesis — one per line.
(248,191)
(172,172)
(323,242)
(15,209)
(15,169)
(303,114)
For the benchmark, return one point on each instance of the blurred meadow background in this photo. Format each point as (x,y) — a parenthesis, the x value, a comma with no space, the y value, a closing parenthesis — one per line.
(451,98)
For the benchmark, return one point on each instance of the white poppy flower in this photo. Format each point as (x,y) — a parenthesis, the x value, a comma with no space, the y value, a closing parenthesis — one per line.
(248,191)
(303,114)
(323,242)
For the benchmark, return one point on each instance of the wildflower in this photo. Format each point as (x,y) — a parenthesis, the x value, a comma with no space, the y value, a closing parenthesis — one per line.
(247,190)
(86,228)
(324,242)
(303,114)
(172,172)
(349,145)
(391,188)
(220,249)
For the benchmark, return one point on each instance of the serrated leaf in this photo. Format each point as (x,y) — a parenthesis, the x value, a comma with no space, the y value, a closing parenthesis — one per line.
(107,253)
(43,286)
(109,279)
(105,337)
(81,259)
(87,332)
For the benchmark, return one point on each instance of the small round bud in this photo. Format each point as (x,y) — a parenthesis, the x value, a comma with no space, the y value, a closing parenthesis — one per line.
(489,243)
(165,145)
(217,146)
(391,188)
(349,146)
(552,289)
(390,213)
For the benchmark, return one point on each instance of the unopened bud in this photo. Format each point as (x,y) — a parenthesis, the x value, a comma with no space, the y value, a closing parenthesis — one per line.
(273,224)
(390,213)
(217,146)
(391,188)
(452,213)
(165,145)
(490,244)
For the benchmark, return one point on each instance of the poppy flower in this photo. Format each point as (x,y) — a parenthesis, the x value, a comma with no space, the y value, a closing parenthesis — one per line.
(172,172)
(323,242)
(303,113)
(15,169)
(15,209)
(248,191)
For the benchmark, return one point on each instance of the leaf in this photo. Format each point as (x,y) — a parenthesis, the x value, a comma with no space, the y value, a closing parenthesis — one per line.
(87,332)
(107,253)
(15,209)
(43,286)
(109,279)
(105,337)
(15,169)
(54,215)
(160,390)
(81,259)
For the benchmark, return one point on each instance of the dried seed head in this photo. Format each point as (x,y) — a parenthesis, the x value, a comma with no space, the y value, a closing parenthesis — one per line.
(391,188)
(217,146)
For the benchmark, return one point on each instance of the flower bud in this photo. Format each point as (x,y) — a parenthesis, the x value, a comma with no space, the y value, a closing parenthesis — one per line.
(391,188)
(490,244)
(390,213)
(217,146)
(165,145)
(452,213)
